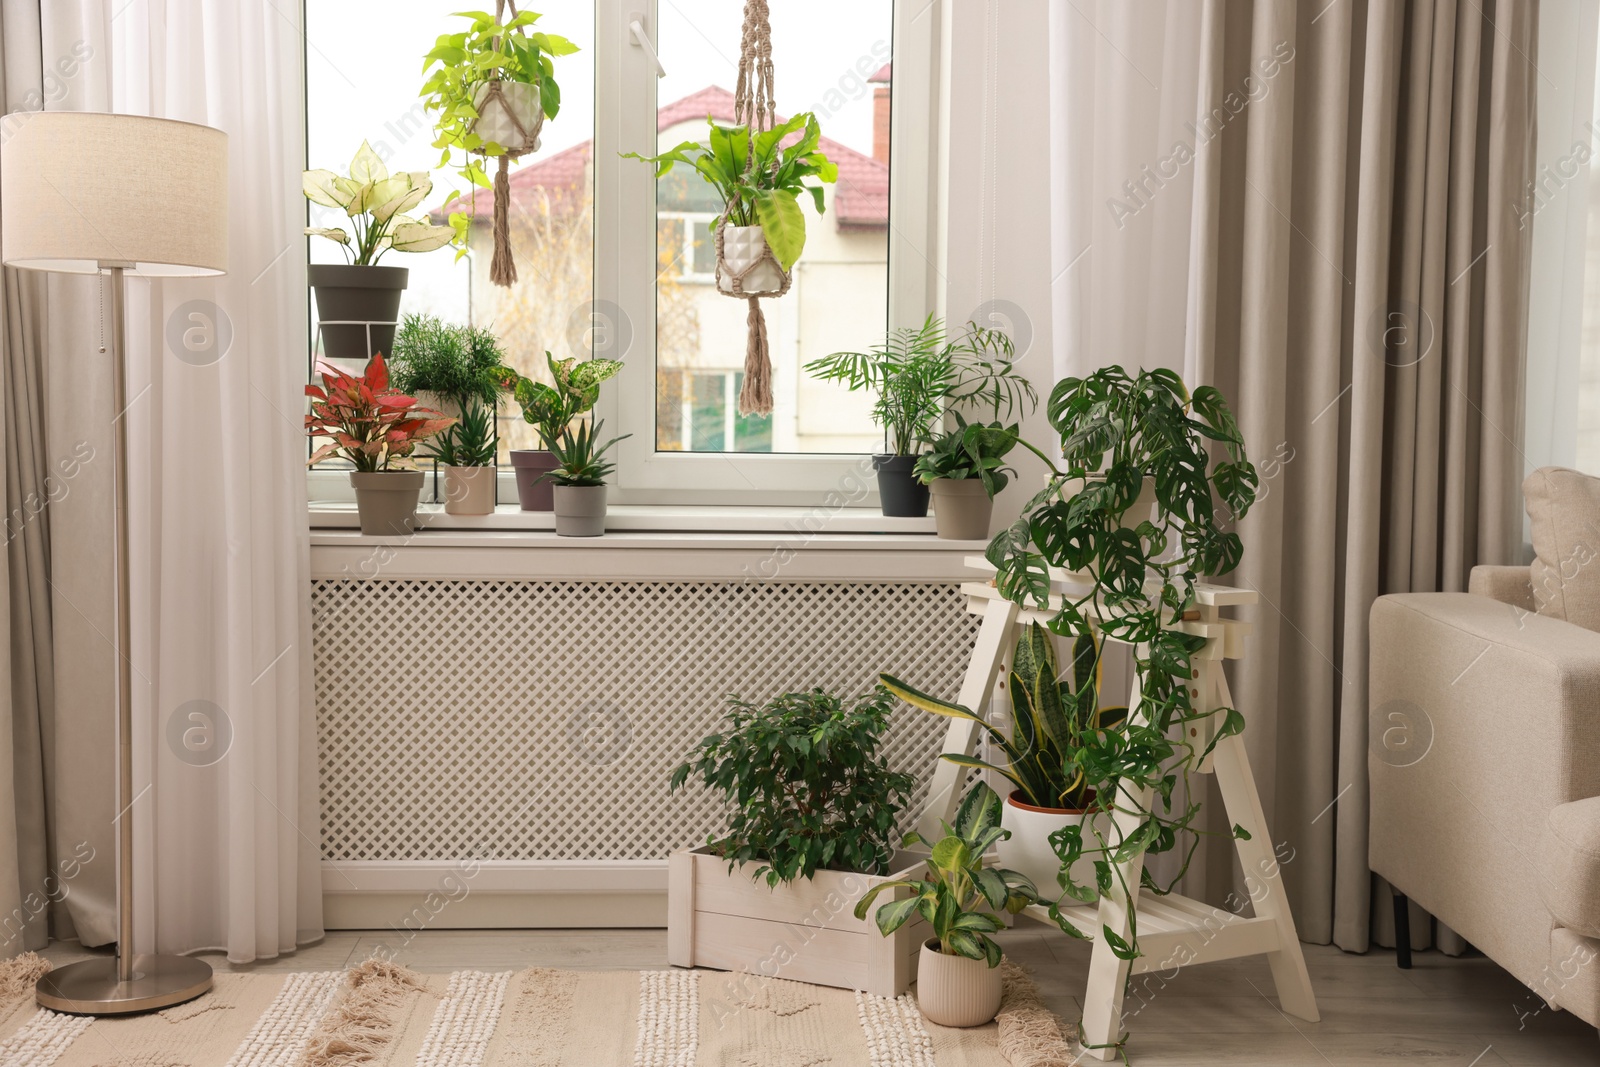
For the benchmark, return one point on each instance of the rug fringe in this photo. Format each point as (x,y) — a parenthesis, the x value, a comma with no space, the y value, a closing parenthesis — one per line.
(20,974)
(361,1022)
(1031,1035)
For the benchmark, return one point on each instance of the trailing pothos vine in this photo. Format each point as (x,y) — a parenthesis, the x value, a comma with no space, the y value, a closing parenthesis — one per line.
(1118,432)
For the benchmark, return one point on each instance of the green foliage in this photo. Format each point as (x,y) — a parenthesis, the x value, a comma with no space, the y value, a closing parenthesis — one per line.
(459,362)
(550,409)
(917,371)
(806,785)
(1053,719)
(1118,431)
(465,61)
(960,898)
(580,458)
(759,187)
(375,202)
(470,442)
(971,450)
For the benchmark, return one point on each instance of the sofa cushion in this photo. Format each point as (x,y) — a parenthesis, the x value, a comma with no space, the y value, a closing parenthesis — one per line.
(1569,855)
(1564,514)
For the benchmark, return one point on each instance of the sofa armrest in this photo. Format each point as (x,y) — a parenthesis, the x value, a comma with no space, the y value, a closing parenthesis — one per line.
(1509,585)
(1484,717)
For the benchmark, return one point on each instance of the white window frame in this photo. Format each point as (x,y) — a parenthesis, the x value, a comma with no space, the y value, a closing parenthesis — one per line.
(625,258)
(685,258)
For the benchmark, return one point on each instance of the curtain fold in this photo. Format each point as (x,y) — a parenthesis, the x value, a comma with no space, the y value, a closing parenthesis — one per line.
(1357,286)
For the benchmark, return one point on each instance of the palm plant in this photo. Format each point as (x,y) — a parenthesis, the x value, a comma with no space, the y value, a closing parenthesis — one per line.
(1053,719)
(579,459)
(463,363)
(918,371)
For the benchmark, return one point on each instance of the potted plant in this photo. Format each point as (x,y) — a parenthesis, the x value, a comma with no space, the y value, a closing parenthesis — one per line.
(963,469)
(958,971)
(460,370)
(580,480)
(812,813)
(550,408)
(359,300)
(916,372)
(492,87)
(1053,721)
(1137,566)
(374,427)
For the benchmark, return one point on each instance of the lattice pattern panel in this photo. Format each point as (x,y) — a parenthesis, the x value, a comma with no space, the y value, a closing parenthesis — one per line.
(540,720)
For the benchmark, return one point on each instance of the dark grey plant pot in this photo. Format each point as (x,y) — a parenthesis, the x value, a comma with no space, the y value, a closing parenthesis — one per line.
(387,501)
(580,510)
(961,509)
(533,490)
(901,495)
(360,294)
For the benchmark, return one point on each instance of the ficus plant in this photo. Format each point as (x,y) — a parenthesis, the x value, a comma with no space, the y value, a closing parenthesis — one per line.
(376,203)
(961,898)
(1120,432)
(764,191)
(806,786)
(1053,717)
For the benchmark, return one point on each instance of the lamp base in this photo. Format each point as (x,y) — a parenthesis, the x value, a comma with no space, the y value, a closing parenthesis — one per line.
(91,987)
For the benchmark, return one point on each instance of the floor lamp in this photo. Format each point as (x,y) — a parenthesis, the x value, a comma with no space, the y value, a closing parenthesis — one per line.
(86,193)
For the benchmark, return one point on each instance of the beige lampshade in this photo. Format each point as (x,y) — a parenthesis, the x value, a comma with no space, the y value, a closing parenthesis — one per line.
(80,191)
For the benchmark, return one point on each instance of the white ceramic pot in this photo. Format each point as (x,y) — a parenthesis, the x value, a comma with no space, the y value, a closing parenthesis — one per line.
(741,247)
(469,490)
(1027,851)
(956,991)
(495,124)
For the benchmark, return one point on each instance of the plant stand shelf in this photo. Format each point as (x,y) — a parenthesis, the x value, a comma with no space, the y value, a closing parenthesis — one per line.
(1173,931)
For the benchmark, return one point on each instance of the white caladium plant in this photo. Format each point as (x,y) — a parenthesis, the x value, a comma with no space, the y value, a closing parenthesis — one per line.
(376,202)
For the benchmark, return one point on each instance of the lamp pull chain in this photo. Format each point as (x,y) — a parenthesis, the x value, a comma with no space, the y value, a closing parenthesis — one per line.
(102,317)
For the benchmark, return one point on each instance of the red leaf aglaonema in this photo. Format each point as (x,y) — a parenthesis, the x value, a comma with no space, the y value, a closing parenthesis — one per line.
(368,423)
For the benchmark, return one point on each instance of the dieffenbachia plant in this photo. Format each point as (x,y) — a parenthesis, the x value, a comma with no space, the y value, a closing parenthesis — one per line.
(573,389)
(376,203)
(1118,433)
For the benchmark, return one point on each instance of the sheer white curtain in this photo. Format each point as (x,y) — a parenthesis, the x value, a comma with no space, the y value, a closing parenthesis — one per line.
(227,853)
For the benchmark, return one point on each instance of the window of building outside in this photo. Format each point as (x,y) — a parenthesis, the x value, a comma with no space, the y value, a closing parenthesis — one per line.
(832,57)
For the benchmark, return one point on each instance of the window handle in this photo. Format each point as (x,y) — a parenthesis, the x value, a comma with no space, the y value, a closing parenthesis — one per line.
(642,40)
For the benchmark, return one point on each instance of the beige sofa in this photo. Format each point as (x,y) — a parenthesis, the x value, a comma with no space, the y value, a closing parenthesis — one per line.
(1485,764)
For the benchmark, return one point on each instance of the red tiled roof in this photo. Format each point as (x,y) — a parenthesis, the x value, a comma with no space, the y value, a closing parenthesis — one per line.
(861,197)
(882,75)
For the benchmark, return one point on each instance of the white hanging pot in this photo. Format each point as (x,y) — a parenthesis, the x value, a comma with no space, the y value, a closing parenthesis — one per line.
(744,265)
(512,117)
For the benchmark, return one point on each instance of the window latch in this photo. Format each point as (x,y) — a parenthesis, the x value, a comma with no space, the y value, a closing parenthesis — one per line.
(642,40)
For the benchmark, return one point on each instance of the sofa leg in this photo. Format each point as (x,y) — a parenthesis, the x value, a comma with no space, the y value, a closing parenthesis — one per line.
(1402,932)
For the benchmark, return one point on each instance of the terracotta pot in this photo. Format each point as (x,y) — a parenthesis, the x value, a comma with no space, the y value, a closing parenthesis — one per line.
(469,490)
(956,991)
(580,510)
(1027,851)
(961,508)
(533,490)
(387,501)
(743,246)
(899,492)
(355,295)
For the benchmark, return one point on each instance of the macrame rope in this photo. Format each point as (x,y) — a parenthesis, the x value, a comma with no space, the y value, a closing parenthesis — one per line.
(503,268)
(754,109)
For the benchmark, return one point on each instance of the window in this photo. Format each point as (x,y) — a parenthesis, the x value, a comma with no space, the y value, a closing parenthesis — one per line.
(613,262)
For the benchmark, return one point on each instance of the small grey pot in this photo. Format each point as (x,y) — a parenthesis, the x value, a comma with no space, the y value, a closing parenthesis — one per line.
(387,501)
(961,508)
(580,510)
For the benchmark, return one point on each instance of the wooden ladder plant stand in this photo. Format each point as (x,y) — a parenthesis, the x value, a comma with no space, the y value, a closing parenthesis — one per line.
(1174,930)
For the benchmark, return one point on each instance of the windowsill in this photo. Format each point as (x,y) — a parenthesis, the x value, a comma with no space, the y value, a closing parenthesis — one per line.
(867,525)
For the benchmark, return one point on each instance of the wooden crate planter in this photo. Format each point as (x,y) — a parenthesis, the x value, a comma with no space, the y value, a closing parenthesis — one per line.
(805,931)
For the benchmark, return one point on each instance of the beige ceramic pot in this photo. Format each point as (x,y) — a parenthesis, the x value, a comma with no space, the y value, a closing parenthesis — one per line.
(387,501)
(956,991)
(469,490)
(961,508)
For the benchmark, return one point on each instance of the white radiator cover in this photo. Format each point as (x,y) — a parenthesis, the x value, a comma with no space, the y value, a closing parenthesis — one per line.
(539,721)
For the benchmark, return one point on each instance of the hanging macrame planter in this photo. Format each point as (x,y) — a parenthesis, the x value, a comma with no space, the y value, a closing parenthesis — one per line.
(746,267)
(510,114)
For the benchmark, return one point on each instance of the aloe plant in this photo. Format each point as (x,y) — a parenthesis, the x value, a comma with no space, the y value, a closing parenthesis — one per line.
(1053,718)
(580,458)
(765,190)
(961,898)
(376,202)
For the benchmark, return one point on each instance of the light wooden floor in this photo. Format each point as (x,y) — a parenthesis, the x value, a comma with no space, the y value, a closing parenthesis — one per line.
(1446,1012)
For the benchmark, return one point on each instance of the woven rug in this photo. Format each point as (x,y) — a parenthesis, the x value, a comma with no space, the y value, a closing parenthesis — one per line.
(379,1014)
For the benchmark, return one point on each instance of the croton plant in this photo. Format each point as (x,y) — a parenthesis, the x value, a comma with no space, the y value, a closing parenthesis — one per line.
(367,422)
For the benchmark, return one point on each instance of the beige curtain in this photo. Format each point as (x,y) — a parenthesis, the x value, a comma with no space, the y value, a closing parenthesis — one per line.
(1357,285)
